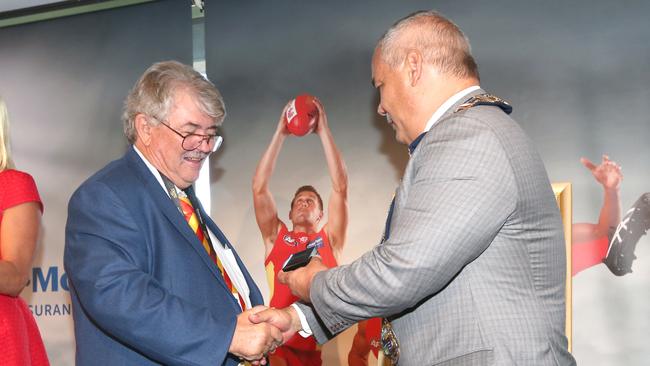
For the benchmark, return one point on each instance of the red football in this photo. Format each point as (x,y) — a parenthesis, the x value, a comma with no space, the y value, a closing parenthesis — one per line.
(302,115)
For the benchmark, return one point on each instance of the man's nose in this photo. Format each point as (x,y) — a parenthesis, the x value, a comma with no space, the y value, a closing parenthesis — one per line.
(380,110)
(205,146)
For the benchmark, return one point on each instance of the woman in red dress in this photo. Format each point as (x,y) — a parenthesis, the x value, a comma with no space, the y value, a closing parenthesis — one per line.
(20,221)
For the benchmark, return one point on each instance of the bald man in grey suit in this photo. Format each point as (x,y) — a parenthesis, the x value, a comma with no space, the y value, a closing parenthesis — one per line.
(472,267)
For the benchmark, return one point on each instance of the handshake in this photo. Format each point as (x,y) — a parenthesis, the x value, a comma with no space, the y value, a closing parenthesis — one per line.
(261,330)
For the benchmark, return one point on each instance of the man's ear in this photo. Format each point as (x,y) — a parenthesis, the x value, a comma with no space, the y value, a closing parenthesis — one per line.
(413,64)
(143,128)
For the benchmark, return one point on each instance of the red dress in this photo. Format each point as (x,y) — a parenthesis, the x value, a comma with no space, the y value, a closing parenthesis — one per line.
(20,340)
(298,351)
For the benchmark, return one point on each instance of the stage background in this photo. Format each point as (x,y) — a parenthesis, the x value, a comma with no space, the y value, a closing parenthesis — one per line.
(575,72)
(64,81)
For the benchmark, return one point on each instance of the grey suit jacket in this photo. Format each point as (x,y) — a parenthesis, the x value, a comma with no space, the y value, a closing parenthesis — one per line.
(473,271)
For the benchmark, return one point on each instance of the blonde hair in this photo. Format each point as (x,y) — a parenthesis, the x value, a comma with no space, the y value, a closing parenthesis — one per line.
(5,151)
(440,41)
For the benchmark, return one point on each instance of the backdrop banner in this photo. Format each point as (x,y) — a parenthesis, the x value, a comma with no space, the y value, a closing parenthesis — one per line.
(64,82)
(576,74)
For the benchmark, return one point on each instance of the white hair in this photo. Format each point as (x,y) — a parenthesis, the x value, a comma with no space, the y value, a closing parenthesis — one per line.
(440,41)
(153,95)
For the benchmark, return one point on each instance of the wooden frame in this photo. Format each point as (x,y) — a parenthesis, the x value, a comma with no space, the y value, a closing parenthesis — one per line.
(564,201)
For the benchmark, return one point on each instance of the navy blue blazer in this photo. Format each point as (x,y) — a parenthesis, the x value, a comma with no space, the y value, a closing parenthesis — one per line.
(144,291)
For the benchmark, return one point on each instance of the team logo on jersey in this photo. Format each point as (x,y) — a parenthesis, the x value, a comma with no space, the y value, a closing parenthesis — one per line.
(289,240)
(318,243)
(303,239)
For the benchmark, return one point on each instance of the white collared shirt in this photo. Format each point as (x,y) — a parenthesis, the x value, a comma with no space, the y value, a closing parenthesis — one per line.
(224,254)
(447,104)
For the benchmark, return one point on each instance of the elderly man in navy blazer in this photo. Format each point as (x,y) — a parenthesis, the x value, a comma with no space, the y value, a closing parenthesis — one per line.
(153,280)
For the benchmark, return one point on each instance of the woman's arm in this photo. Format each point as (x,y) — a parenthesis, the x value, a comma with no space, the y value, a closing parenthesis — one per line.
(19,234)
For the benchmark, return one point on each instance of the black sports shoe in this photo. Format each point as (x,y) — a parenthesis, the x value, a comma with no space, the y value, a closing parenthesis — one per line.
(634,225)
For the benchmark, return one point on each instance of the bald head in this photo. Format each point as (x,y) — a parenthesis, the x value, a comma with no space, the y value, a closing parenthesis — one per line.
(441,43)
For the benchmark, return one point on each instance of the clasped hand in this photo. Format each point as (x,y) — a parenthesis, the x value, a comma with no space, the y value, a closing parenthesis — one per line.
(261,330)
(253,341)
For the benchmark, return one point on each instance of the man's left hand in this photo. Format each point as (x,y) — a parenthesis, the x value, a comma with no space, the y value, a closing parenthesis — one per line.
(299,280)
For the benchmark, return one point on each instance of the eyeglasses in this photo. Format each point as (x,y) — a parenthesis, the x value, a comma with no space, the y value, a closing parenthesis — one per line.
(192,141)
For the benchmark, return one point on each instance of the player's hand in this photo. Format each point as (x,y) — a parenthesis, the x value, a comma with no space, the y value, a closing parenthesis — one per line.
(282,122)
(321,123)
(607,173)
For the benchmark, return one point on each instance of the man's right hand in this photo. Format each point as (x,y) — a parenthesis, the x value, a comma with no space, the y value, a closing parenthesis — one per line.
(252,341)
(282,122)
(286,320)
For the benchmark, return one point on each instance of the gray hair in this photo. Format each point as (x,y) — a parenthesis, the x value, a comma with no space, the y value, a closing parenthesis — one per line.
(5,151)
(153,95)
(440,41)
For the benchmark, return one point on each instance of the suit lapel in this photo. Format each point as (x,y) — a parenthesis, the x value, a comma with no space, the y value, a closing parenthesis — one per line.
(170,212)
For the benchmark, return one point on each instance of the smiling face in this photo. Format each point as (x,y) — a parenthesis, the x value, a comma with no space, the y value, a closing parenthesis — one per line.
(394,101)
(163,148)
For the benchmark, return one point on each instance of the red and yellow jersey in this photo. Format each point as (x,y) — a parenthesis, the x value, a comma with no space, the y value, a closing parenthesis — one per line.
(287,243)
(373,335)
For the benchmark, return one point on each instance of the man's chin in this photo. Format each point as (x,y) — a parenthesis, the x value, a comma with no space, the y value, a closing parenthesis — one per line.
(401,139)
(298,220)
(189,178)
(191,169)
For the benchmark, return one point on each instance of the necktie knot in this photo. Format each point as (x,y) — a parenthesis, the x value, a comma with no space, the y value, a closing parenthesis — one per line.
(186,207)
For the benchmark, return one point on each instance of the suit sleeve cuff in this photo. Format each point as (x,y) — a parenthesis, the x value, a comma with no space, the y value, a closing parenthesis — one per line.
(306,329)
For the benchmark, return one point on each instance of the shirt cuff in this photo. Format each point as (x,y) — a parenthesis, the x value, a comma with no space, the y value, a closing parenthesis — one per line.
(306,329)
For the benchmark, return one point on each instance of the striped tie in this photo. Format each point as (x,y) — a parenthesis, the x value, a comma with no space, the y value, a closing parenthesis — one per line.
(193,221)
